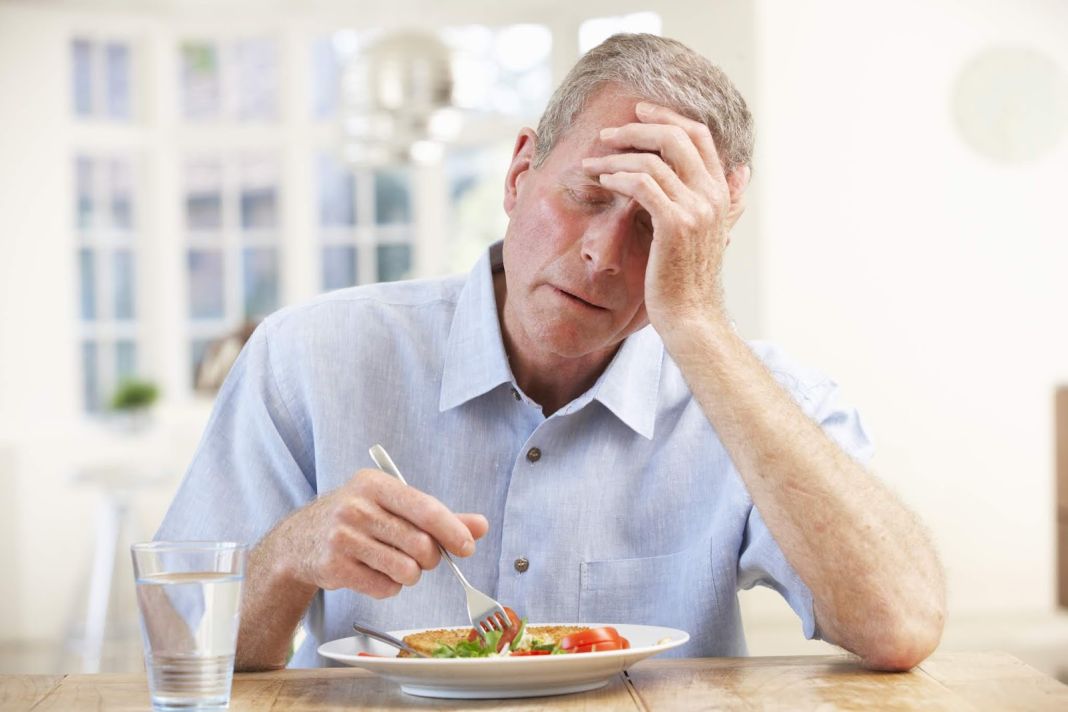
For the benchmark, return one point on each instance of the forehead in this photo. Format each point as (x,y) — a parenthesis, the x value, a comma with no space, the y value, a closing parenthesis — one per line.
(610,106)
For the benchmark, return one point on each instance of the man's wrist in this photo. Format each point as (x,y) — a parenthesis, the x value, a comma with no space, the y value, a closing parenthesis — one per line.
(705,334)
(274,555)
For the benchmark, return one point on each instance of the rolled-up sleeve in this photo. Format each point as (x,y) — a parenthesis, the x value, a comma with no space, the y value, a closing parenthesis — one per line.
(253,465)
(761,561)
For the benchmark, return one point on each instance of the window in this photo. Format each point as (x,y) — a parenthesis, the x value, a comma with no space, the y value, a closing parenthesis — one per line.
(101,79)
(596,30)
(231,206)
(107,274)
(226,250)
(365,223)
(475,175)
(235,80)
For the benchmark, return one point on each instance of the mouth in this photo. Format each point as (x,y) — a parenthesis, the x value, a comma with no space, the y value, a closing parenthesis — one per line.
(578,300)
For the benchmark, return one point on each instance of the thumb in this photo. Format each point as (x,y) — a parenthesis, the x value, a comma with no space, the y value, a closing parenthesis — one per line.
(476,524)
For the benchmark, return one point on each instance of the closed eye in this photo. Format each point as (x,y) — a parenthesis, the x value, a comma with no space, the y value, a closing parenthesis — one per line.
(589,198)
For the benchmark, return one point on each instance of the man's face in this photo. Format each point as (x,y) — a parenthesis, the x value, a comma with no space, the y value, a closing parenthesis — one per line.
(574,253)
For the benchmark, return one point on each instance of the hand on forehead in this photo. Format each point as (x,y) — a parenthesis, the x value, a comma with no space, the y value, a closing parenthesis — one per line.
(667,133)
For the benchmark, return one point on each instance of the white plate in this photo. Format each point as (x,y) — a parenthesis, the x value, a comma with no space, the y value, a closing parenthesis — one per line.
(524,676)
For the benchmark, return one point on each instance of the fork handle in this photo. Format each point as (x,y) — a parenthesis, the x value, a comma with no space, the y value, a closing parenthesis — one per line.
(385,463)
(388,639)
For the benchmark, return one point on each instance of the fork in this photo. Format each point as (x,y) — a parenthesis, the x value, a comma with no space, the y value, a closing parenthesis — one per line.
(484,612)
(388,639)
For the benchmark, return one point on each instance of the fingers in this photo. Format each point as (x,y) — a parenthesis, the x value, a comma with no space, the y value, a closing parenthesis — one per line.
(376,535)
(643,188)
(360,577)
(671,142)
(425,512)
(395,564)
(477,524)
(649,163)
(401,534)
(696,131)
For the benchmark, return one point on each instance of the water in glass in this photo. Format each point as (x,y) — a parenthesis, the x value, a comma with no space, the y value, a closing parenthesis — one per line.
(189,622)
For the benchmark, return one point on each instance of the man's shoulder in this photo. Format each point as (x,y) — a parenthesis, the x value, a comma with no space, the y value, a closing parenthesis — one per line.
(369,305)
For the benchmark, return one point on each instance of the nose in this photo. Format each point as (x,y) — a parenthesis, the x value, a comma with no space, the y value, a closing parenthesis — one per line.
(604,244)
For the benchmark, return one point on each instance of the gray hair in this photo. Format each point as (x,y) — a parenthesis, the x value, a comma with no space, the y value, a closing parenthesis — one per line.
(665,72)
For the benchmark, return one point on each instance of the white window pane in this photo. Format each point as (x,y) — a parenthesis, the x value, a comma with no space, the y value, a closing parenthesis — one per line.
(260,268)
(337,192)
(339,266)
(393,262)
(87,283)
(125,360)
(121,195)
(117,64)
(203,195)
(123,283)
(259,193)
(90,377)
(475,175)
(83,170)
(81,56)
(200,80)
(596,30)
(326,76)
(256,72)
(392,202)
(206,284)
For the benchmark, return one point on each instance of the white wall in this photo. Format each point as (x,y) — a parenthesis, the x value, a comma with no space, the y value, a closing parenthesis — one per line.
(928,280)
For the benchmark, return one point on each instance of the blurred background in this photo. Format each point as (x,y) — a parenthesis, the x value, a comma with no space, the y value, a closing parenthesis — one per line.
(173,170)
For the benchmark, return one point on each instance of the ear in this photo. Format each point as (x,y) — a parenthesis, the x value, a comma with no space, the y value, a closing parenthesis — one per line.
(737,182)
(522,155)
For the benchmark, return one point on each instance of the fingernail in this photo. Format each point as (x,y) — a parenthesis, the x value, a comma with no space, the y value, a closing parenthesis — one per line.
(608,133)
(468,548)
(643,108)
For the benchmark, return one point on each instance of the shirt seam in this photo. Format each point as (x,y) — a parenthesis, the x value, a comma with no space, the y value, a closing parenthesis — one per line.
(283,399)
(300,309)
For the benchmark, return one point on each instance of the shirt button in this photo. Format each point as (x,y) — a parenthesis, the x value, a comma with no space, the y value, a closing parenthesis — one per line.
(533,454)
(515,394)
(521,564)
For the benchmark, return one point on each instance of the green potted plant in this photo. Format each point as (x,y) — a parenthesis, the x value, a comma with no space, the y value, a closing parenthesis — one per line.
(131,401)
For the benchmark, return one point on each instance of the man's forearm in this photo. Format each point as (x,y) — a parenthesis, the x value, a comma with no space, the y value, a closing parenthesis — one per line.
(272,605)
(876,581)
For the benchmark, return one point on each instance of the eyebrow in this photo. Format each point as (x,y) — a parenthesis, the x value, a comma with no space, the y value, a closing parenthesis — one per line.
(581,176)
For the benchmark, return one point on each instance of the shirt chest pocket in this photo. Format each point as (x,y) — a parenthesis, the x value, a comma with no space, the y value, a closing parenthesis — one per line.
(674,590)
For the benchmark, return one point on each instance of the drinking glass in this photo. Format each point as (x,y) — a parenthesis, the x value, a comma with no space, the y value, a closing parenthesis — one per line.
(189,595)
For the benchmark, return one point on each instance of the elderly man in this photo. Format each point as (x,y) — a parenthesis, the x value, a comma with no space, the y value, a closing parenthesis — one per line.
(626,456)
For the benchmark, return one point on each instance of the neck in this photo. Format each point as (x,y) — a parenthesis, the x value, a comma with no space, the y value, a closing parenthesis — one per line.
(551,380)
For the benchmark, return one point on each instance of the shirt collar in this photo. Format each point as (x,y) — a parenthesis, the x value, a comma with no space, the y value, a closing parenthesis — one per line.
(476,362)
(630,386)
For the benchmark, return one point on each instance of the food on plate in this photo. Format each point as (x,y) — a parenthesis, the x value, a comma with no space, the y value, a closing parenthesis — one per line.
(517,640)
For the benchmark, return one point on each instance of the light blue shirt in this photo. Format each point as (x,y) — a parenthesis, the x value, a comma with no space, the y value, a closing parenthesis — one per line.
(633,513)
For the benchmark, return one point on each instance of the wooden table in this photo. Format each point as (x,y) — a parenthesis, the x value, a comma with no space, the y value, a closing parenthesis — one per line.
(948,681)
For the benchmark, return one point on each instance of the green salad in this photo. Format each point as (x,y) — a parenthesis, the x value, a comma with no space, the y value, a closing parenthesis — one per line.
(479,648)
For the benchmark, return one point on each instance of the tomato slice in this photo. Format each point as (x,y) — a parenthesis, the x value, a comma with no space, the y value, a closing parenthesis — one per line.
(598,647)
(590,637)
(509,633)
